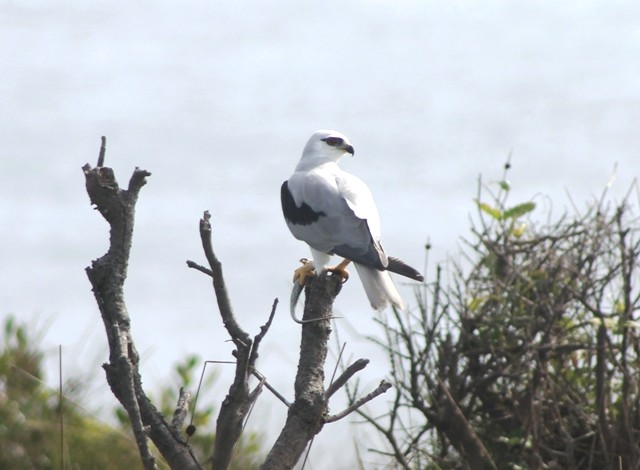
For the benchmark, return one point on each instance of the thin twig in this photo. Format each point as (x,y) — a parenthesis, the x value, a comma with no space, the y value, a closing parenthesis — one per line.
(263,331)
(380,389)
(103,149)
(269,387)
(198,267)
(346,375)
(60,398)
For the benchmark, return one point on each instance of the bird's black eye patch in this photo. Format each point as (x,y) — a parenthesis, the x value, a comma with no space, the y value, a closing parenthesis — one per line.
(334,141)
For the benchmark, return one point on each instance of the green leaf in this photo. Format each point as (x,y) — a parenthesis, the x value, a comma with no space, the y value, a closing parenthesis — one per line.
(632,324)
(608,323)
(476,302)
(492,211)
(504,185)
(519,230)
(9,327)
(519,210)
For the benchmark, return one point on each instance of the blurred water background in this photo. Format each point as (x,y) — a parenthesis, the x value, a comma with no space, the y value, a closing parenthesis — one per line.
(217,99)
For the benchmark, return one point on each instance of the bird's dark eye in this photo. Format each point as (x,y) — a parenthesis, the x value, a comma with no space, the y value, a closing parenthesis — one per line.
(334,141)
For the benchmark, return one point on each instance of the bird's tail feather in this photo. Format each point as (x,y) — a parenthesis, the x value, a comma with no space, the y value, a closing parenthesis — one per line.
(379,287)
(400,267)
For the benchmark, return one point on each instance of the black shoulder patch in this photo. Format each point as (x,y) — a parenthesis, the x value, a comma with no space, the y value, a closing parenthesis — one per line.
(303,215)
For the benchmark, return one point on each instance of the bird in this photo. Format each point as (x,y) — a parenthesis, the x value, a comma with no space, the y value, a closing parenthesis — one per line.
(334,212)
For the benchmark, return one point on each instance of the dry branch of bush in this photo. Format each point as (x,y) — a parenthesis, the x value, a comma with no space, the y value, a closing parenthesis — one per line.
(538,346)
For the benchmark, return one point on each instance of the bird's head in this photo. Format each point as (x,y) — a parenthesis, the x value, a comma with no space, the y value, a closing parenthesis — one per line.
(327,145)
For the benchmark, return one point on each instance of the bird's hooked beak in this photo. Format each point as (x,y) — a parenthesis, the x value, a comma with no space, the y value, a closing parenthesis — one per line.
(349,149)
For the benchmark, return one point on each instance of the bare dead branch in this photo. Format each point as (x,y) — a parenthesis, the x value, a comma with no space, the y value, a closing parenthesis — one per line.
(181,411)
(237,403)
(263,331)
(238,335)
(380,389)
(103,149)
(198,267)
(464,437)
(107,276)
(306,414)
(346,375)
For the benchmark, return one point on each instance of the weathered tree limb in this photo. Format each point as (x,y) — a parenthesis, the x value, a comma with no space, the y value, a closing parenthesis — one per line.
(238,335)
(238,402)
(107,276)
(307,413)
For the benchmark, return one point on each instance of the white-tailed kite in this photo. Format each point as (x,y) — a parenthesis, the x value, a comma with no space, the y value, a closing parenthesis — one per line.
(334,213)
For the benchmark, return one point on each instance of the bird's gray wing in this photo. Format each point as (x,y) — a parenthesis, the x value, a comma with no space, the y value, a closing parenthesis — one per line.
(346,218)
(363,247)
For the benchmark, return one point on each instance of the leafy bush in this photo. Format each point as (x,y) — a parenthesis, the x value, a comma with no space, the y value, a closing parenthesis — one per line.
(530,356)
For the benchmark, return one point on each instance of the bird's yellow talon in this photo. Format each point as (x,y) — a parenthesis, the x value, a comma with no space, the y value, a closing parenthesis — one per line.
(305,271)
(341,270)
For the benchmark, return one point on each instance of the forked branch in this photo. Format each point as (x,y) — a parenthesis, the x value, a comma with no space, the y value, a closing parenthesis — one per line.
(107,275)
(238,402)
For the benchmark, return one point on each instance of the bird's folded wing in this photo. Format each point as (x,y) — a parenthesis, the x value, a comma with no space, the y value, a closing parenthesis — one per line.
(348,225)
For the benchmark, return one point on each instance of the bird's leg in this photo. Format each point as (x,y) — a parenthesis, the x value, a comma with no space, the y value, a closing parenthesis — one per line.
(301,274)
(341,270)
(299,278)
